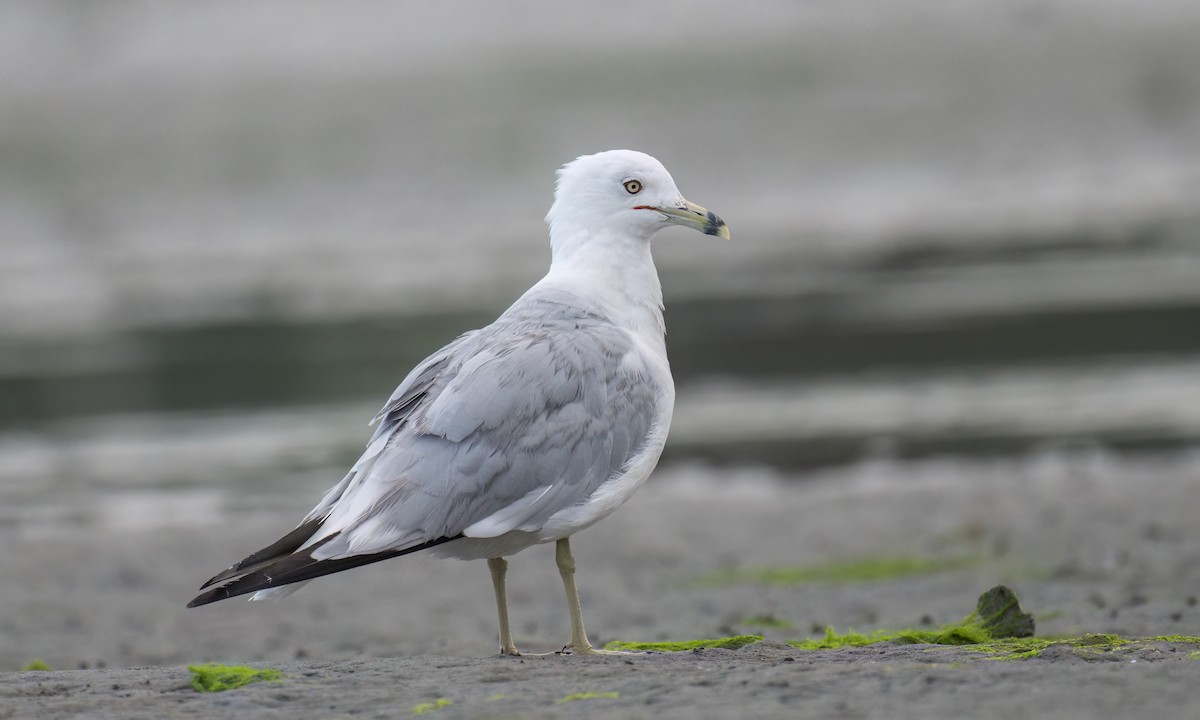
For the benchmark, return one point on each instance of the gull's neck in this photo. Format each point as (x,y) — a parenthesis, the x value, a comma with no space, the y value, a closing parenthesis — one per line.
(614,273)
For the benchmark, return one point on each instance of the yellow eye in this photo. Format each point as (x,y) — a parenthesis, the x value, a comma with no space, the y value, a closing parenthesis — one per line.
(633,187)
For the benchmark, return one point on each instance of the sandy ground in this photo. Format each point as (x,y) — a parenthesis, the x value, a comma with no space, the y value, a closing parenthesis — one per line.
(1091,542)
(766,680)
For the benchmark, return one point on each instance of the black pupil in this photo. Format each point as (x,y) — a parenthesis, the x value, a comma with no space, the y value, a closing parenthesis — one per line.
(633,186)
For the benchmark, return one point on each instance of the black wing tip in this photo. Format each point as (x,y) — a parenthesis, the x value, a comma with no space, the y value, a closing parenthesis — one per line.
(298,568)
(228,590)
(278,550)
(205,598)
(225,574)
(223,593)
(212,594)
(281,549)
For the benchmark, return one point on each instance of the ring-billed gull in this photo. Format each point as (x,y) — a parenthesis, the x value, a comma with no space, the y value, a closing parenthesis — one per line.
(525,431)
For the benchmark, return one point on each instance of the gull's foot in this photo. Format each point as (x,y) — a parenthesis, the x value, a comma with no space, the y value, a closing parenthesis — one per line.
(567,650)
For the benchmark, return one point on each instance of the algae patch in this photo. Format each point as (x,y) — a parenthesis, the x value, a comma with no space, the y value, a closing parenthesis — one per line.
(1025,648)
(1001,630)
(587,696)
(999,613)
(951,635)
(37,666)
(423,708)
(728,643)
(214,677)
(1087,646)
(997,616)
(1189,639)
(864,570)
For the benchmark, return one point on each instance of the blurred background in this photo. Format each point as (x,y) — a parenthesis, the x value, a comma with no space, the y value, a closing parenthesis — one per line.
(960,229)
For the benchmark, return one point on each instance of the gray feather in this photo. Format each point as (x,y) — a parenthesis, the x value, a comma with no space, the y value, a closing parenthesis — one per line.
(538,409)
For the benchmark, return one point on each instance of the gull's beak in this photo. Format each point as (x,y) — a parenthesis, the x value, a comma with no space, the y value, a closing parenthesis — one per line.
(692,215)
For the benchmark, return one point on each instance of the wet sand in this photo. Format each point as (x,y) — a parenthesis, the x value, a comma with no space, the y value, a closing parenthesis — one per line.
(765,680)
(1090,541)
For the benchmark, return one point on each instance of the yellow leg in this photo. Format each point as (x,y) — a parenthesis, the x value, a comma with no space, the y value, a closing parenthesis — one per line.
(566,568)
(498,567)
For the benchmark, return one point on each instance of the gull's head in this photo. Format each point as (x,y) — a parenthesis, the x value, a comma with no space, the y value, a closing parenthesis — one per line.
(626,192)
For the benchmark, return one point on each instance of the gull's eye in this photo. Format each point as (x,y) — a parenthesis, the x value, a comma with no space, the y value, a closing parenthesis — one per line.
(633,187)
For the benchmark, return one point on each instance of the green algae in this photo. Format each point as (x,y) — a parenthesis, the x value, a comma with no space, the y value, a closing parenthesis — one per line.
(214,677)
(972,640)
(428,707)
(863,570)
(1086,645)
(1189,639)
(37,666)
(998,612)
(734,642)
(950,635)
(999,629)
(1101,640)
(997,615)
(587,696)
(1026,648)
(1014,648)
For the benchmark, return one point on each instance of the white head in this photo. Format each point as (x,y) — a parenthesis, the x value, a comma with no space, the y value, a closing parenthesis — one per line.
(623,192)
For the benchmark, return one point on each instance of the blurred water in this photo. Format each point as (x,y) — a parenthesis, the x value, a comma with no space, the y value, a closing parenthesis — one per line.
(959,228)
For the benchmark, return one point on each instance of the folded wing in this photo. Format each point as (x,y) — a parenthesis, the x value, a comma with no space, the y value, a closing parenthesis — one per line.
(492,434)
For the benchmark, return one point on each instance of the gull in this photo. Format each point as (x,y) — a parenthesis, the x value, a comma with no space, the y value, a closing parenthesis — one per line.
(525,431)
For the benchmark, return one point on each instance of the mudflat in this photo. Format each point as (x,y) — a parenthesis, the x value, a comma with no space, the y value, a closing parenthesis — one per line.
(1093,543)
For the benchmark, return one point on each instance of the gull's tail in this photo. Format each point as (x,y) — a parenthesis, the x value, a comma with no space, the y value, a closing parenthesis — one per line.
(284,563)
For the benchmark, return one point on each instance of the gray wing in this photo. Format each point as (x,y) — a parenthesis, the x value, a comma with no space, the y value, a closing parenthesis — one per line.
(497,432)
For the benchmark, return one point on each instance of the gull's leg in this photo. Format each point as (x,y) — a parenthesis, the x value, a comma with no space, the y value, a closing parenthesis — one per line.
(498,567)
(566,568)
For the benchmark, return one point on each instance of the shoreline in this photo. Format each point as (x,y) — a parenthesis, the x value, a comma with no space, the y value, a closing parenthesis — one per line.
(765,679)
